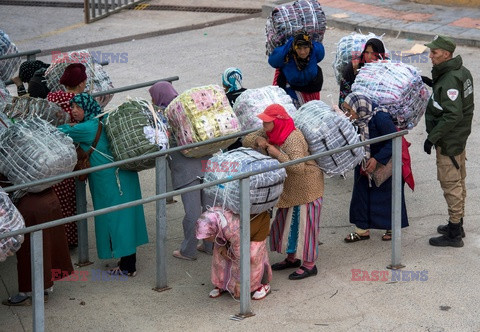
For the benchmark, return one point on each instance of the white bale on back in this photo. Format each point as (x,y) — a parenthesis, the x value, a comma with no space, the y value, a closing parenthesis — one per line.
(325,130)
(8,67)
(286,20)
(200,114)
(10,220)
(32,150)
(396,86)
(254,101)
(265,188)
(29,107)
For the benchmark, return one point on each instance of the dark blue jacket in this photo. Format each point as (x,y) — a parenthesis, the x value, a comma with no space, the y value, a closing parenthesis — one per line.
(290,70)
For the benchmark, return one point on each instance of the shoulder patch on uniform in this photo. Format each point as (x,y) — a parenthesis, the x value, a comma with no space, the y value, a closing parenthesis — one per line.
(452,94)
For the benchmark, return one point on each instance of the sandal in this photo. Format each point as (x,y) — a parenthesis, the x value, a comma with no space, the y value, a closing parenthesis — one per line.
(178,254)
(261,292)
(355,237)
(117,272)
(216,292)
(387,236)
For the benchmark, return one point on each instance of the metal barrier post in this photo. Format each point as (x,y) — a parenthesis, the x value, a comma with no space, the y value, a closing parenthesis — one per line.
(36,259)
(396,203)
(245,309)
(81,195)
(161,225)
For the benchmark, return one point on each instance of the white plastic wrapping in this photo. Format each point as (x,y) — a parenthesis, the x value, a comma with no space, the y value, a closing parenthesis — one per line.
(29,107)
(398,87)
(254,101)
(10,66)
(325,130)
(265,188)
(285,21)
(10,220)
(33,149)
(135,128)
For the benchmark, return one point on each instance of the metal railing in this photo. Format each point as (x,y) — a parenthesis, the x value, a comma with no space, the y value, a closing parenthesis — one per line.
(95,10)
(160,197)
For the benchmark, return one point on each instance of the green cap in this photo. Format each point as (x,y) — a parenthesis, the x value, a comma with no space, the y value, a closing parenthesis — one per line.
(442,42)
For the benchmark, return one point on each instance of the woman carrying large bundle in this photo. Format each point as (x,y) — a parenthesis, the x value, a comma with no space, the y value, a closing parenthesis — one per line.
(297,70)
(118,233)
(296,226)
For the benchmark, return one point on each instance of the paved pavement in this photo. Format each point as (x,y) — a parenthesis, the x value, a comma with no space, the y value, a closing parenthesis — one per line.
(331,301)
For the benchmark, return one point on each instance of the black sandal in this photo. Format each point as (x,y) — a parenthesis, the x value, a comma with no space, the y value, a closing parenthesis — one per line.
(306,273)
(355,237)
(286,264)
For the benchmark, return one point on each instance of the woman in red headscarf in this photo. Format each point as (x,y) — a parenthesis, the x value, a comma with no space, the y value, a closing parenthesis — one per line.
(74,79)
(296,226)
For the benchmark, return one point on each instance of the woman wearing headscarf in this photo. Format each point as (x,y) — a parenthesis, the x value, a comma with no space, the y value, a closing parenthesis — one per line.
(296,225)
(371,205)
(232,83)
(373,50)
(118,233)
(32,72)
(222,227)
(297,70)
(74,79)
(185,172)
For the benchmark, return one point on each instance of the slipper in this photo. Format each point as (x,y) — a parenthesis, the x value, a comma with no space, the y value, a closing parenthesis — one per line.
(177,254)
(355,237)
(286,264)
(387,236)
(261,292)
(117,272)
(306,273)
(216,292)
(18,300)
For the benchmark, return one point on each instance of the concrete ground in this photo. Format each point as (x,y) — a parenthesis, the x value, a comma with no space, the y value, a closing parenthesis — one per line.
(447,300)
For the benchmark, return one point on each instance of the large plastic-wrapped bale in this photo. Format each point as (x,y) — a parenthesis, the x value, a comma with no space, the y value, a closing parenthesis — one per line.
(254,101)
(5,122)
(286,20)
(10,66)
(265,188)
(349,47)
(29,107)
(325,130)
(200,114)
(134,129)
(5,96)
(32,150)
(396,86)
(10,220)
(97,79)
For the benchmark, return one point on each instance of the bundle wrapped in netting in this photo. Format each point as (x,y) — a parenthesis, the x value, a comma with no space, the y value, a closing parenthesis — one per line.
(285,21)
(200,114)
(398,87)
(265,188)
(5,122)
(254,101)
(10,220)
(97,79)
(5,96)
(350,46)
(29,107)
(10,66)
(134,129)
(325,130)
(33,149)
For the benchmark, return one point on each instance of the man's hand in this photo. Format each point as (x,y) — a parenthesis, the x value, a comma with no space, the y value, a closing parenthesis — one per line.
(371,165)
(427,146)
(261,142)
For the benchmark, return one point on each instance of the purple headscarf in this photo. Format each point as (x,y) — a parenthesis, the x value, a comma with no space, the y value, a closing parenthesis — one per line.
(162,93)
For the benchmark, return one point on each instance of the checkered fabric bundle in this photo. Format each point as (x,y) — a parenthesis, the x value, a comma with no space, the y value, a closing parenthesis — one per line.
(134,129)
(254,101)
(97,79)
(348,47)
(200,114)
(29,107)
(325,130)
(265,188)
(10,220)
(33,149)
(285,21)
(398,87)
(8,67)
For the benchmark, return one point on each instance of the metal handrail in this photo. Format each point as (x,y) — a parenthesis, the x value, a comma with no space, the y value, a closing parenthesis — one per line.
(20,54)
(134,86)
